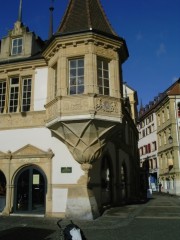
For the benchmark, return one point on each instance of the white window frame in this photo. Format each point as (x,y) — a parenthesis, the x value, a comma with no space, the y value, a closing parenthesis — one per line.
(3,87)
(76,76)
(103,76)
(17,46)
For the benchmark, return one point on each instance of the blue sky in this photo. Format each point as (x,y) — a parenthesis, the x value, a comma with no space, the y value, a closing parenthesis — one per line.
(151,30)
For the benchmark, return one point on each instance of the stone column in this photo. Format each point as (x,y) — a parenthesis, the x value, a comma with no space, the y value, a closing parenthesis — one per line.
(81,202)
(7,208)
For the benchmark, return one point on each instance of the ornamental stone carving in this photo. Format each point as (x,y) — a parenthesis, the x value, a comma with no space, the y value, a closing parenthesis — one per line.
(85,139)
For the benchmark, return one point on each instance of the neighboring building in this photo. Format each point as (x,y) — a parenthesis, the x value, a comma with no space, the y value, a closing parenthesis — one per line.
(168,130)
(68,143)
(148,143)
(131,95)
(159,139)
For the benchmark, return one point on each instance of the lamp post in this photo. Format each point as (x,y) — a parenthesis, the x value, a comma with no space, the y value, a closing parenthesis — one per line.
(170,139)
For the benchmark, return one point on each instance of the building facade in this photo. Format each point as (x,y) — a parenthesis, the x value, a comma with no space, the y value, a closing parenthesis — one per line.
(168,139)
(68,143)
(147,144)
(159,139)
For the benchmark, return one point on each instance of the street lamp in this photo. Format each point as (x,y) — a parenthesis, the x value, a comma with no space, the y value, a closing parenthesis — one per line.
(170,139)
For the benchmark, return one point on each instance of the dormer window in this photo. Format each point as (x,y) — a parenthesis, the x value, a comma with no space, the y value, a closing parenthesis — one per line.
(17,46)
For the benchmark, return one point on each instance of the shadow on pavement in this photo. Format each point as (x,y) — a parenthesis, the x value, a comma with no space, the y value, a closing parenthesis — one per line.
(26,233)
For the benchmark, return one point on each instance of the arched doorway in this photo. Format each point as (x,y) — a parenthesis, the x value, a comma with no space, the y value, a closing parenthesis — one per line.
(106,182)
(2,191)
(30,191)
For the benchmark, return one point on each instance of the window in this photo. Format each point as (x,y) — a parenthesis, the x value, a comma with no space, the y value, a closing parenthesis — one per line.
(152,127)
(26,95)
(163,117)
(2,95)
(178,106)
(165,138)
(160,142)
(168,112)
(18,96)
(159,122)
(103,76)
(13,95)
(54,68)
(17,46)
(154,146)
(148,148)
(76,76)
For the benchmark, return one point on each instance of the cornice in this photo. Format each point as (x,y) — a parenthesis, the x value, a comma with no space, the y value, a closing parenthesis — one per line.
(9,67)
(79,39)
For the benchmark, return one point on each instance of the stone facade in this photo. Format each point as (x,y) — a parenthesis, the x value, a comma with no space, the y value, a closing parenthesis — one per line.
(64,152)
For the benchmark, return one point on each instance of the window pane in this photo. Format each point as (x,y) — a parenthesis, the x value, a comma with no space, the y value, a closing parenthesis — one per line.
(81,63)
(106,91)
(80,71)
(100,81)
(80,89)
(72,90)
(100,90)
(14,80)
(106,74)
(80,80)
(73,81)
(106,83)
(72,64)
(105,65)
(72,72)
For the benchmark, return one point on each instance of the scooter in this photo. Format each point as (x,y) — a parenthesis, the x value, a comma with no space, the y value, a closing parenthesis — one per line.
(71,232)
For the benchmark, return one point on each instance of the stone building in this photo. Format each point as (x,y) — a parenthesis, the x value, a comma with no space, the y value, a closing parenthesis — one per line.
(68,144)
(168,130)
(159,131)
(147,144)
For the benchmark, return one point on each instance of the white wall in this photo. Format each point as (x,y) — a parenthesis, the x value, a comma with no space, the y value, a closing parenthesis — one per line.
(40,88)
(41,138)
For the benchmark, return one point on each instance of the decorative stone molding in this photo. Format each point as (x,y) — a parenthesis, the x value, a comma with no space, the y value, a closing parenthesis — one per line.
(106,105)
(22,120)
(85,139)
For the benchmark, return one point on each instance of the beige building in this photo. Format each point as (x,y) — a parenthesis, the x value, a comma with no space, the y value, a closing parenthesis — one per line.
(68,143)
(168,123)
(159,145)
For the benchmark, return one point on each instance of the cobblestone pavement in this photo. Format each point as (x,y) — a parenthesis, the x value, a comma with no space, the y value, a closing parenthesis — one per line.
(158,218)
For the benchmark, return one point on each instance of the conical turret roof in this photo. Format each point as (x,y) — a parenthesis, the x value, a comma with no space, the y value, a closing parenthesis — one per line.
(85,15)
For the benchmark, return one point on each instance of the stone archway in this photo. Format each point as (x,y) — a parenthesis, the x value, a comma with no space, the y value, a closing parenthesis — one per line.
(30,190)
(2,191)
